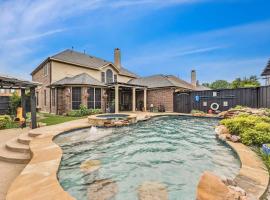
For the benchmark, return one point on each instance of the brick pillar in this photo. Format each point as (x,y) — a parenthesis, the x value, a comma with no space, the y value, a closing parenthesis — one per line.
(116,101)
(84,96)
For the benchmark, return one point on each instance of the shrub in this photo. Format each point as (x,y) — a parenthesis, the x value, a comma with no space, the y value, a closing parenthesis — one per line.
(253,130)
(15,102)
(84,111)
(196,112)
(6,122)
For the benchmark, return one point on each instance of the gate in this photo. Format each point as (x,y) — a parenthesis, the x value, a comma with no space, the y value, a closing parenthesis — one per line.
(181,102)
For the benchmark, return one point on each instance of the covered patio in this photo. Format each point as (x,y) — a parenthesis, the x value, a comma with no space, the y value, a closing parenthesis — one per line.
(8,82)
(122,97)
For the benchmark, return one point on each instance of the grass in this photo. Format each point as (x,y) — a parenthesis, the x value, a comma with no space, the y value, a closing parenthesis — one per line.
(51,119)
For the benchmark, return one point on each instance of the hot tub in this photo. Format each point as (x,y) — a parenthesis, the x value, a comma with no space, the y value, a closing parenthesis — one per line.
(112,119)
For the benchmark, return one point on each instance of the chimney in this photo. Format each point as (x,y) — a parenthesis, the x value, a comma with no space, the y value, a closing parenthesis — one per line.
(193,78)
(117,58)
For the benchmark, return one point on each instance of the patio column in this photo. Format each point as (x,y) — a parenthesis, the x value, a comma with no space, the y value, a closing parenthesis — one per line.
(145,99)
(33,108)
(23,103)
(133,99)
(116,101)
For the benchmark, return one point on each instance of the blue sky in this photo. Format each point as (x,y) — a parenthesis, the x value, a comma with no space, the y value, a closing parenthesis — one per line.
(221,39)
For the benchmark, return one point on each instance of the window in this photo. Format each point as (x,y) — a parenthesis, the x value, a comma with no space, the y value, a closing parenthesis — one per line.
(205,103)
(12,90)
(225,103)
(109,76)
(94,98)
(53,97)
(103,77)
(76,98)
(2,91)
(115,78)
(215,94)
(37,98)
(46,69)
(45,97)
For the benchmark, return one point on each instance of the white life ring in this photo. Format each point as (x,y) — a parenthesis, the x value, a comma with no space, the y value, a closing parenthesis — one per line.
(214,106)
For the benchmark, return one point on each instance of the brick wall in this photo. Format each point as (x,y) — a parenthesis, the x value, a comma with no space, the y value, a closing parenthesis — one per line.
(45,81)
(161,97)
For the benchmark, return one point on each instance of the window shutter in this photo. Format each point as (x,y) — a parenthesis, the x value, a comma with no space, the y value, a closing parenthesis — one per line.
(115,78)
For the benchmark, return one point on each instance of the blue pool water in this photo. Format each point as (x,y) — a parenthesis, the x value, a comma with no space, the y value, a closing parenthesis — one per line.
(172,150)
(113,116)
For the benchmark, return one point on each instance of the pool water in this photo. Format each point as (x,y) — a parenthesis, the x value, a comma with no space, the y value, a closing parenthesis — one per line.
(113,116)
(174,150)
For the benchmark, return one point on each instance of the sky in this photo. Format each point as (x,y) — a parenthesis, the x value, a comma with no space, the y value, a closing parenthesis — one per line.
(220,39)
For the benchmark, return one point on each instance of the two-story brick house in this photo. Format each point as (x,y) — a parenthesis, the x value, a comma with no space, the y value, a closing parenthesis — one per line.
(69,79)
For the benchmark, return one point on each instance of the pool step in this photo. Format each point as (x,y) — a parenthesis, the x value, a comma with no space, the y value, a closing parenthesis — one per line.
(25,139)
(13,157)
(15,146)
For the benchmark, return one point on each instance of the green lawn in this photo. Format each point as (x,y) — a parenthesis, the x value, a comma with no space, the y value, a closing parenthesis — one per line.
(50,119)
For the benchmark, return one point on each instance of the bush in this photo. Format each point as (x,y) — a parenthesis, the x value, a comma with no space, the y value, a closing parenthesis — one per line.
(15,102)
(196,112)
(84,111)
(253,130)
(6,122)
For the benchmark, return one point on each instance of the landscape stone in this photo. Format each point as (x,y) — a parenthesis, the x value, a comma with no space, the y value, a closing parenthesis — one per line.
(104,189)
(152,191)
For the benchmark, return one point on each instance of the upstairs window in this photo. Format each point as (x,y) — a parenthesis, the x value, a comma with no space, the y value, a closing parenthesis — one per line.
(103,77)
(109,76)
(46,69)
(115,78)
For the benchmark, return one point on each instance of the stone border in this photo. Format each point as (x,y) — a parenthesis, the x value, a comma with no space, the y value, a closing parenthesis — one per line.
(253,176)
(98,120)
(39,180)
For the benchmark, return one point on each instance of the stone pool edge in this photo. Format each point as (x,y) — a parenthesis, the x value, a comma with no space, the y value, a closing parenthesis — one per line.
(38,180)
(253,175)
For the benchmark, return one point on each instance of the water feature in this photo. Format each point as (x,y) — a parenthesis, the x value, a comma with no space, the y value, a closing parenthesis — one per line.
(172,150)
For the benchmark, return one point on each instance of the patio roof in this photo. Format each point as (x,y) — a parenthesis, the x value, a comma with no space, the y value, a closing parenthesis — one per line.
(80,79)
(125,85)
(7,81)
(266,71)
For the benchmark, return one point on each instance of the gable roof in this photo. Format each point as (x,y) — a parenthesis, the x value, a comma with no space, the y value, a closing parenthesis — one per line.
(266,71)
(84,60)
(162,81)
(80,79)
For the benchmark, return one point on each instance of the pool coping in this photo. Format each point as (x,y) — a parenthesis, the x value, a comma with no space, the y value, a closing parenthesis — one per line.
(38,180)
(253,175)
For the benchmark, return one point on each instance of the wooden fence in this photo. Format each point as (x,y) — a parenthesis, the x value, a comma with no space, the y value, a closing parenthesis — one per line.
(259,97)
(4,104)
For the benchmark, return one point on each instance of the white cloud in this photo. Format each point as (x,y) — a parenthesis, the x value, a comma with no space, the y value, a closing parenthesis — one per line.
(24,22)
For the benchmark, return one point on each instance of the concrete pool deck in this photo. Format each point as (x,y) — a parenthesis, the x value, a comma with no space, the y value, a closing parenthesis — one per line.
(39,180)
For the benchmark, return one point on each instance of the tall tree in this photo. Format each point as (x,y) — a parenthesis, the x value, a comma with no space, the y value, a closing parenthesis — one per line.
(220,84)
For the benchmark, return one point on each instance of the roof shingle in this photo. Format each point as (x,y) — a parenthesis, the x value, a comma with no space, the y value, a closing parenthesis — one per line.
(82,59)
(81,79)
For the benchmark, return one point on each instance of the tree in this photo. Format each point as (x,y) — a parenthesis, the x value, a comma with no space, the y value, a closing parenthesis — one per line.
(15,102)
(252,81)
(220,84)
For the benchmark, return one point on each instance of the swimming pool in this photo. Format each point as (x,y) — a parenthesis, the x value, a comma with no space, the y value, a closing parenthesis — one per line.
(173,150)
(113,116)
